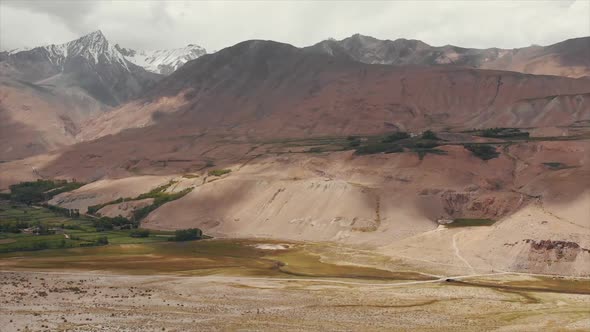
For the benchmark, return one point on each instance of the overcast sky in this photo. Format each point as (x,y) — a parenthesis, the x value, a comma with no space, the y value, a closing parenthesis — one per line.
(215,25)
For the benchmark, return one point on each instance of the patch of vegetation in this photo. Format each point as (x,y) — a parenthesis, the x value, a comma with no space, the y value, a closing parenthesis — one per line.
(470,222)
(379,148)
(187,234)
(422,152)
(553,165)
(430,135)
(140,233)
(355,143)
(26,228)
(400,142)
(159,200)
(503,133)
(40,190)
(396,137)
(159,195)
(73,213)
(219,172)
(108,223)
(94,208)
(482,151)
(156,192)
(315,149)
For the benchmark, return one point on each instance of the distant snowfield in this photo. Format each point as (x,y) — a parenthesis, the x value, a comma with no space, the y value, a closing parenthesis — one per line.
(165,61)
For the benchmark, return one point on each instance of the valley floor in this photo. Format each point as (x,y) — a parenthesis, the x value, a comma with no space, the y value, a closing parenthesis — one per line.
(97,302)
(228,285)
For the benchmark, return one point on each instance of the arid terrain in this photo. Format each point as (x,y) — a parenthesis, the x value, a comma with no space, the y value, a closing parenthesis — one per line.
(359,184)
(91,302)
(304,294)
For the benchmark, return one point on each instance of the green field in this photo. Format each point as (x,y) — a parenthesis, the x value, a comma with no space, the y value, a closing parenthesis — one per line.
(69,232)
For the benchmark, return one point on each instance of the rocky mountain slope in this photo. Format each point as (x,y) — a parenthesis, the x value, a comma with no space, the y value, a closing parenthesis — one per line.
(36,119)
(89,62)
(266,89)
(568,58)
(163,62)
(47,92)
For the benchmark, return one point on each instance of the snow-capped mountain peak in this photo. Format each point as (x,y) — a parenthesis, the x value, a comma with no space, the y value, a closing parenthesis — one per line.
(90,62)
(163,61)
(94,47)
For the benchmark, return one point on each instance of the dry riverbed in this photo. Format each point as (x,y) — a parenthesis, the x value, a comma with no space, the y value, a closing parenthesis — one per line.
(52,301)
(246,285)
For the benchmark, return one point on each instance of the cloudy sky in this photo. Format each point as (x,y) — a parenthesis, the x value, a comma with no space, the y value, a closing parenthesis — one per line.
(218,24)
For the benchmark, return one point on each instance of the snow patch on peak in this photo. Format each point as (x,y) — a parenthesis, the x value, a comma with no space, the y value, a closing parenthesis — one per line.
(163,61)
(93,47)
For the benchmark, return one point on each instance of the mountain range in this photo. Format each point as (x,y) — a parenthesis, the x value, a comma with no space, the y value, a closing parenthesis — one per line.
(568,58)
(163,62)
(361,140)
(76,84)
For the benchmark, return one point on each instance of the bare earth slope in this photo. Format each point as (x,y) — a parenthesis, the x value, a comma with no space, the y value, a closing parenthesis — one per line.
(35,119)
(259,91)
(47,93)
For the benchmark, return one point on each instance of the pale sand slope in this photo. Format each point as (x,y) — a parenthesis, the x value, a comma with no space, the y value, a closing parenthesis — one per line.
(380,200)
(503,246)
(87,302)
(104,191)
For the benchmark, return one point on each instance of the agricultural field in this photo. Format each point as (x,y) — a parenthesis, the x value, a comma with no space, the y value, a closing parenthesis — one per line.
(42,228)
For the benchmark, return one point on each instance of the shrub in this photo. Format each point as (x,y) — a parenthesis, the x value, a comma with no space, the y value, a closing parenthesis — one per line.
(395,137)
(159,200)
(422,152)
(108,223)
(94,208)
(379,148)
(504,133)
(424,145)
(315,150)
(429,134)
(354,143)
(187,234)
(140,233)
(101,241)
(219,172)
(482,151)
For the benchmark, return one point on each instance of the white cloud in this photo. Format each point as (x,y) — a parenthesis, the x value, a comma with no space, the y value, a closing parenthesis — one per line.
(214,25)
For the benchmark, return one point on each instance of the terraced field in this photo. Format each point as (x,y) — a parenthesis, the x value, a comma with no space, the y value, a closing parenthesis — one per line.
(70,232)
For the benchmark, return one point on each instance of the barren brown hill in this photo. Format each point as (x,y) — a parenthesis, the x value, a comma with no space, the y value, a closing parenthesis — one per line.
(259,91)
(47,92)
(36,119)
